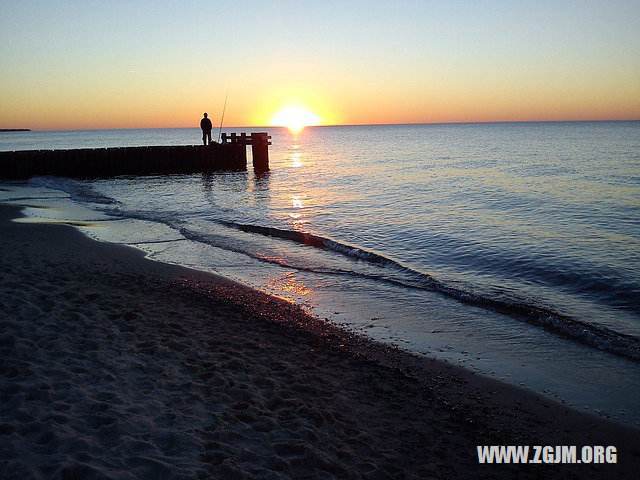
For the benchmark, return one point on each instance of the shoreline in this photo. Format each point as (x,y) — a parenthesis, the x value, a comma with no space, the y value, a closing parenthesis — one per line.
(248,385)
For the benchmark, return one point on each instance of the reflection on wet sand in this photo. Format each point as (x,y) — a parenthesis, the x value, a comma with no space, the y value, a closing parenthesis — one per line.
(289,283)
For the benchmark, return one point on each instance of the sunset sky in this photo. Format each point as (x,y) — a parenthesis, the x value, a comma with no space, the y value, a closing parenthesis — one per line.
(97,64)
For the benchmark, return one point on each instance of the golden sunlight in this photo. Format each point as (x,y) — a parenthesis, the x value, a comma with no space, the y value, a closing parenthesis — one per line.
(295,118)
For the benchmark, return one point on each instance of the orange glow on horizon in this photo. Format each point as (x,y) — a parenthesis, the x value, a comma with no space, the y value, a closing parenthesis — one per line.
(297,106)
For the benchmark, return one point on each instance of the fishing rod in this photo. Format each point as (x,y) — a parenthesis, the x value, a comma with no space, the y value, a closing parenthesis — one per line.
(226,95)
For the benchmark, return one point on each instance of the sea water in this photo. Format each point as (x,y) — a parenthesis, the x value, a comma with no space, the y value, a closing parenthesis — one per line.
(511,249)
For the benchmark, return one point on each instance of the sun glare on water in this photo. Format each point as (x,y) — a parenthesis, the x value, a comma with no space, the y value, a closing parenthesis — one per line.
(295,118)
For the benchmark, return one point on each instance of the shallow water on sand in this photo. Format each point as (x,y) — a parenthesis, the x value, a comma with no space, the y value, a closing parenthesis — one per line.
(511,249)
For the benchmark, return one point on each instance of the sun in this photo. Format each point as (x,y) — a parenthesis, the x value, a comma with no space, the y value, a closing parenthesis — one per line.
(295,118)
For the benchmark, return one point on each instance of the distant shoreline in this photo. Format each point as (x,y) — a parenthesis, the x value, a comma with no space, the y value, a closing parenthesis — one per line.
(15,129)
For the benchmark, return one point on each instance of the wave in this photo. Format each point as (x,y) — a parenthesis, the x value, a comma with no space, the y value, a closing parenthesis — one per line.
(312,240)
(597,336)
(77,190)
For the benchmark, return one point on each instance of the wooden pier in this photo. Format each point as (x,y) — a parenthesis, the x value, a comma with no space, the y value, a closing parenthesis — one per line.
(259,147)
(230,155)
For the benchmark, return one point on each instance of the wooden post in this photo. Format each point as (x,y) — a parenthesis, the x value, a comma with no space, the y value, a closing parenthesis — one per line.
(260,151)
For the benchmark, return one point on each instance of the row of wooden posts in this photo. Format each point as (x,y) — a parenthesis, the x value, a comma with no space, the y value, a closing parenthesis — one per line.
(231,154)
(259,142)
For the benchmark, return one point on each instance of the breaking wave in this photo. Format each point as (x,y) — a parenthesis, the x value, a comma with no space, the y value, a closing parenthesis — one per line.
(597,336)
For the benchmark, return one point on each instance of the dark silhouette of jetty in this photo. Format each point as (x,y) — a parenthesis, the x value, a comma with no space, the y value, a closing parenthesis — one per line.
(15,129)
(231,154)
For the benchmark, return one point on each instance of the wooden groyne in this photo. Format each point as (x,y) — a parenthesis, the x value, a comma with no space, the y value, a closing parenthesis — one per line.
(231,154)
(259,147)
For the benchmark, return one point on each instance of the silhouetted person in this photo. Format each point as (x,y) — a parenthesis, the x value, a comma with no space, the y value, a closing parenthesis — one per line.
(205,125)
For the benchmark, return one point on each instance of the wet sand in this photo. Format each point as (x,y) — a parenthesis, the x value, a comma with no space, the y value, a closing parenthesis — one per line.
(114,366)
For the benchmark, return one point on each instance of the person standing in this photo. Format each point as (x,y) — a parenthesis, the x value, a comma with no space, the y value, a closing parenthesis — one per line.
(206,126)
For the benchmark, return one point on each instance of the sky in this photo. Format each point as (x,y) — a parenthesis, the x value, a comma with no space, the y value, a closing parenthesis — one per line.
(137,64)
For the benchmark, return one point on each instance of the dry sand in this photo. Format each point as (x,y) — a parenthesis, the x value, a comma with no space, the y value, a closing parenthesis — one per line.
(114,366)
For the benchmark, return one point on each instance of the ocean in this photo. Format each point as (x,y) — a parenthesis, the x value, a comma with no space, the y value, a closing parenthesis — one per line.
(511,249)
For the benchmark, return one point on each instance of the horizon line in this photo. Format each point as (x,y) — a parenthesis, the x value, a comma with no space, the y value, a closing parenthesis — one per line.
(491,122)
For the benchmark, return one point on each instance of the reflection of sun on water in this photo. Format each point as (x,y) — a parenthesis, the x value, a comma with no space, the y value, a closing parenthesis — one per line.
(295,118)
(296,159)
(296,202)
(295,155)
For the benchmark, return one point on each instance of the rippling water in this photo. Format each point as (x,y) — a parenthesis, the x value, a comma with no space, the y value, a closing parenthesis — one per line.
(512,249)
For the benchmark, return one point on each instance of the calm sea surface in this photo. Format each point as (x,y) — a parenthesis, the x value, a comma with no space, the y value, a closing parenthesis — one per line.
(510,249)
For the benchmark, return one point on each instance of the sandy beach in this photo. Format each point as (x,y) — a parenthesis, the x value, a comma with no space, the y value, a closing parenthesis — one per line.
(114,366)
